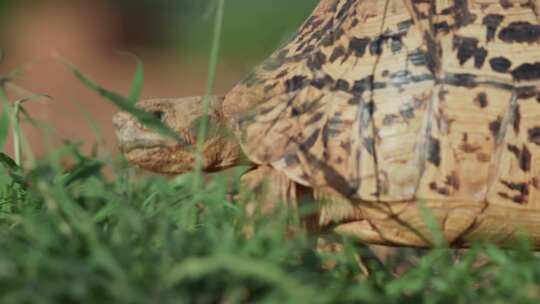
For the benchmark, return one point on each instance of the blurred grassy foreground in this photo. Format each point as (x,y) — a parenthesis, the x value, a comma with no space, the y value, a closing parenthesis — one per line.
(70,235)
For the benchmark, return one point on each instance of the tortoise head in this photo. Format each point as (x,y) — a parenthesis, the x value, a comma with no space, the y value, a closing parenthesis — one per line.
(151,151)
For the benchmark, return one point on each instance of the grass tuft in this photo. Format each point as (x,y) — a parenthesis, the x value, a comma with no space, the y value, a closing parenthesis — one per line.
(212,70)
(71,235)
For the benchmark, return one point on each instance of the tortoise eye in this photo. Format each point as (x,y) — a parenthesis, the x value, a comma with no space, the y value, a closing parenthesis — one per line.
(159,115)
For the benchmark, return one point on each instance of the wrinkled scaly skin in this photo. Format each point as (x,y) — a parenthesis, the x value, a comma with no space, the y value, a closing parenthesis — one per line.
(154,152)
(397,111)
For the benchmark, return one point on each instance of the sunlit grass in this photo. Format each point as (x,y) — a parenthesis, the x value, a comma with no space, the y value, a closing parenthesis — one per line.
(71,235)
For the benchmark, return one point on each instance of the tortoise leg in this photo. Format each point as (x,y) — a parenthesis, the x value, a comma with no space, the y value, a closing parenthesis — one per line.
(334,210)
(266,188)
(269,188)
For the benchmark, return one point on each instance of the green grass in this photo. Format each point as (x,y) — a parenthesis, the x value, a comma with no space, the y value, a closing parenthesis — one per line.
(73,235)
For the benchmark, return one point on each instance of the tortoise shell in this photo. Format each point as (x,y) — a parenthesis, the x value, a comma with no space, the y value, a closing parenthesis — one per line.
(398,101)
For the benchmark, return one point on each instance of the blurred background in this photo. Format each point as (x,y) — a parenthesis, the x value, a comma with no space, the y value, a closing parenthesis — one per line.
(172,37)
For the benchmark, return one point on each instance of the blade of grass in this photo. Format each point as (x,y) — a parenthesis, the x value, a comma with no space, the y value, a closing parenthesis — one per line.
(46,130)
(16,134)
(33,97)
(4,124)
(212,69)
(86,169)
(138,80)
(13,170)
(17,131)
(6,109)
(437,235)
(7,162)
(21,144)
(125,104)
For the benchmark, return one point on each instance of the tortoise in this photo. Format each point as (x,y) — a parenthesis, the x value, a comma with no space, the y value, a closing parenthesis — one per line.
(387,111)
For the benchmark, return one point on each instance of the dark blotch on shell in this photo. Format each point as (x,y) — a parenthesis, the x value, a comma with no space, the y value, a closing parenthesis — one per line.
(522,188)
(467,48)
(453,181)
(407,111)
(441,27)
(404,26)
(337,53)
(367,84)
(295,83)
(526,92)
(319,83)
(434,150)
(418,57)
(520,32)
(495,127)
(462,80)
(524,157)
(527,71)
(500,64)
(310,141)
(376,46)
(316,61)
(506,4)
(492,22)
(481,100)
(433,54)
(525,160)
(517,118)
(359,45)
(315,118)
(342,85)
(534,135)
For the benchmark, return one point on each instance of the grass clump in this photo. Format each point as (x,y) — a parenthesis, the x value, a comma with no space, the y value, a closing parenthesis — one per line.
(73,235)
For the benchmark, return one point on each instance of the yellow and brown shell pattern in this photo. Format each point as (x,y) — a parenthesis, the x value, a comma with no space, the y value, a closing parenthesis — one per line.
(400,100)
